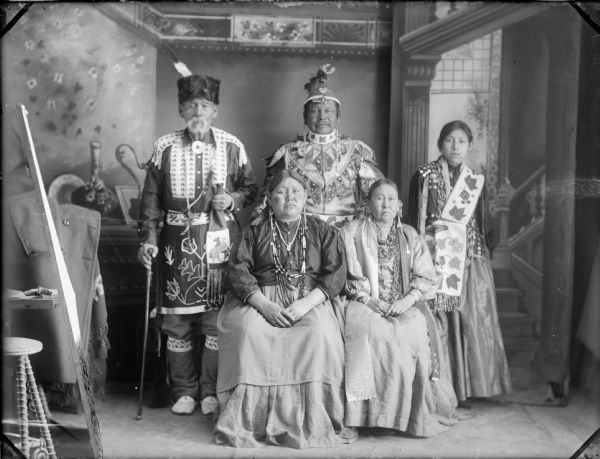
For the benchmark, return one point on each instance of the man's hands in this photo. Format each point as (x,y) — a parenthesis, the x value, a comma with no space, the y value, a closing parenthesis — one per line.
(146,253)
(221,201)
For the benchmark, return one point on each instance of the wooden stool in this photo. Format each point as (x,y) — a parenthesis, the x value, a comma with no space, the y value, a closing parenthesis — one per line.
(22,348)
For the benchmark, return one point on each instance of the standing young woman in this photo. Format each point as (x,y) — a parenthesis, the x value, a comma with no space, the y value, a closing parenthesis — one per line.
(447,207)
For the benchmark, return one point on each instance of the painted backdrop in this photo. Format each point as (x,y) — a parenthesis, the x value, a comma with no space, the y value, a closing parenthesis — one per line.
(83,79)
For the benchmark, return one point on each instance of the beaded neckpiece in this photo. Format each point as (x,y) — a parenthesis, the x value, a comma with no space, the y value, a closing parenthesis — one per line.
(389,250)
(296,247)
(321,139)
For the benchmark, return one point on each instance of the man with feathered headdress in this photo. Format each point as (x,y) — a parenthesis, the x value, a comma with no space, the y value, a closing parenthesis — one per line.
(338,171)
(198,177)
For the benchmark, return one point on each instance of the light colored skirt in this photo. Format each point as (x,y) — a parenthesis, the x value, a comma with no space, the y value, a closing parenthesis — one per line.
(280,385)
(387,374)
(474,339)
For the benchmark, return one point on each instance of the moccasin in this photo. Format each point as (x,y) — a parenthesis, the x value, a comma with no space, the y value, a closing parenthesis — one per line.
(209,405)
(184,405)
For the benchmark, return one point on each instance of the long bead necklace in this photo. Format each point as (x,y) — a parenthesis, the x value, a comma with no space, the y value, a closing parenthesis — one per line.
(285,275)
(389,250)
(385,250)
(288,245)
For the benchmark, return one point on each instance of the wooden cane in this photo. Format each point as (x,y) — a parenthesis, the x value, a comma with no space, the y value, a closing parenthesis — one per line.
(146,318)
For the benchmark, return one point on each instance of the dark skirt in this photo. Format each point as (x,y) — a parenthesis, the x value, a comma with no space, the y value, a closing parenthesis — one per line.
(474,339)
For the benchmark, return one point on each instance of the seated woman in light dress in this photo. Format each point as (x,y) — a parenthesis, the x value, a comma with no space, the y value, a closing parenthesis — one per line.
(393,374)
(281,352)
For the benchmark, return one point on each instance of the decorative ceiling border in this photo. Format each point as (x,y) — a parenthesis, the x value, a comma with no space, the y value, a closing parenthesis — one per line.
(256,32)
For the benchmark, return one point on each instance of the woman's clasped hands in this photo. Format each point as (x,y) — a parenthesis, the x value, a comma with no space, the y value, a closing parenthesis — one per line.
(279,316)
(391,310)
(274,314)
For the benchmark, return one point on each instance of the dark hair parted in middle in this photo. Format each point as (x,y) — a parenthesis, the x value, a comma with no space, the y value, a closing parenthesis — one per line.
(278,177)
(453,126)
(382,181)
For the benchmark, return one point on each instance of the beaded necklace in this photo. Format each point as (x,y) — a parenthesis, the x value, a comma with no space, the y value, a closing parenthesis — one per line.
(284,275)
(288,245)
(389,250)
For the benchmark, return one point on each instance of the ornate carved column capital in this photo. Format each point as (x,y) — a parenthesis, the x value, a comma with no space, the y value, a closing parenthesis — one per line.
(420,69)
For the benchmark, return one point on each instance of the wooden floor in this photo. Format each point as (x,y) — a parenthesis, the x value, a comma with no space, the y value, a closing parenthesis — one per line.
(518,425)
(491,429)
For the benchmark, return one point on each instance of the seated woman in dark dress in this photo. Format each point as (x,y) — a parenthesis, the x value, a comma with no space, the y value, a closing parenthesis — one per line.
(281,352)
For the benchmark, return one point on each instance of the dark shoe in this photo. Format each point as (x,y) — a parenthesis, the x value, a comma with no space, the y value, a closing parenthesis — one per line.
(464,404)
(346,435)
(462,414)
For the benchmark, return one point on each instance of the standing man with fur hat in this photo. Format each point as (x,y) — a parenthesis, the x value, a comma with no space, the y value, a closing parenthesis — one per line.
(197,178)
(337,171)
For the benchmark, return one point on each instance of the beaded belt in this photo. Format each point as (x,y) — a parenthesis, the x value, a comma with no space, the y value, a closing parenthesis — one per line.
(175,218)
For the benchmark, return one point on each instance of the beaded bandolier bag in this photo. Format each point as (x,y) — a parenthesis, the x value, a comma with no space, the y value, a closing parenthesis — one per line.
(218,240)
(450,232)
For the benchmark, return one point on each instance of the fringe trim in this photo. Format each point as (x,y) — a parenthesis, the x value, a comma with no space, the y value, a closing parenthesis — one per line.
(214,286)
(443,302)
(98,340)
(360,398)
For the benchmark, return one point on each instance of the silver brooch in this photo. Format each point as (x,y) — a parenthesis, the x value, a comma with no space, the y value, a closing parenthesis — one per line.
(197,146)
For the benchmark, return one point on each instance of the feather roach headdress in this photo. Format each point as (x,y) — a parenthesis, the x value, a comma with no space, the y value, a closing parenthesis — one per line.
(316,86)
